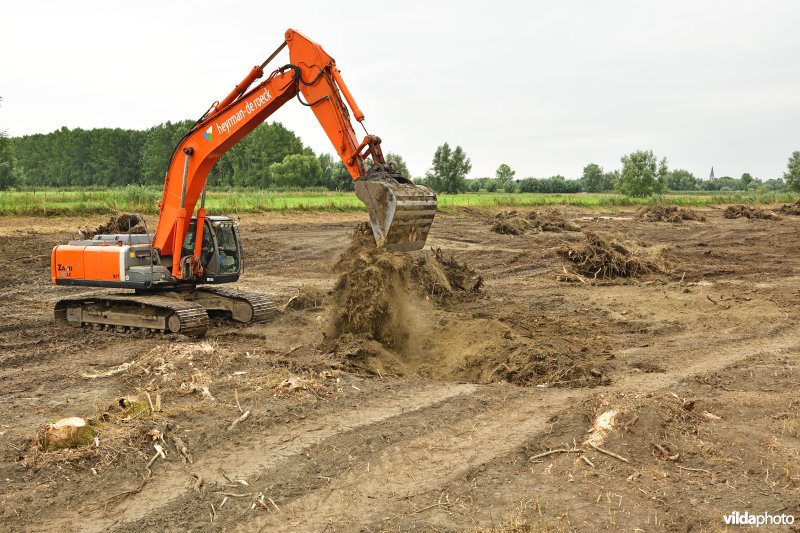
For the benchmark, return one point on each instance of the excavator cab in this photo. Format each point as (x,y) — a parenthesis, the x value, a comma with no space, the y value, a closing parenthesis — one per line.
(221,250)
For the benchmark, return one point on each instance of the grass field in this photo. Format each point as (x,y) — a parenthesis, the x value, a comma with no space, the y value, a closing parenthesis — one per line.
(56,202)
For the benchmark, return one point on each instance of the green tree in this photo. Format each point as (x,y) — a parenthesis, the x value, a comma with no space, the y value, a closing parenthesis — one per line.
(505,177)
(681,180)
(593,178)
(8,166)
(747,180)
(642,175)
(792,174)
(449,170)
(296,170)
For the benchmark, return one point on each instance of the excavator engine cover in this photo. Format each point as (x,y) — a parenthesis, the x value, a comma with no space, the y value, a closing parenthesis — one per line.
(400,212)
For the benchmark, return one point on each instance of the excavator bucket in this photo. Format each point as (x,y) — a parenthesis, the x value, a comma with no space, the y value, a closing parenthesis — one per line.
(400,212)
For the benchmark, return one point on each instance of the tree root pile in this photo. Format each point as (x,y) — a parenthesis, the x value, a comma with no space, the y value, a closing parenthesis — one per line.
(791,209)
(517,223)
(123,223)
(667,213)
(744,211)
(438,276)
(600,258)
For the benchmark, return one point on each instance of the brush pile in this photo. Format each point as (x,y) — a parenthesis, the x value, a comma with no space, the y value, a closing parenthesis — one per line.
(667,213)
(517,223)
(602,259)
(791,209)
(744,211)
(122,223)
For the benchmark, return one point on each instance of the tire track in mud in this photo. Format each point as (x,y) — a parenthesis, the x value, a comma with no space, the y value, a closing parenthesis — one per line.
(364,497)
(389,472)
(256,456)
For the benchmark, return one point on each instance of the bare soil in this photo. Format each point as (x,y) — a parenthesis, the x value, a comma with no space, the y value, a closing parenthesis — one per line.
(431,412)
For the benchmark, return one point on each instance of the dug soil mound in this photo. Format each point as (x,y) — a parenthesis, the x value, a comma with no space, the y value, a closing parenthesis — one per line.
(436,275)
(667,213)
(601,258)
(123,223)
(384,323)
(379,291)
(744,211)
(791,209)
(517,223)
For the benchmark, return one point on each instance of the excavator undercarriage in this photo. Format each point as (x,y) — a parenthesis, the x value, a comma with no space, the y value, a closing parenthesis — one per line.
(188,312)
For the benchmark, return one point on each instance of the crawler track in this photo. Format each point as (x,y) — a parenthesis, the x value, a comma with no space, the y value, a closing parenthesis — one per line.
(263,309)
(125,313)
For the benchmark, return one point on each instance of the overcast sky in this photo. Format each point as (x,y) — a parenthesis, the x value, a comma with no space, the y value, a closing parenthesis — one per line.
(546,87)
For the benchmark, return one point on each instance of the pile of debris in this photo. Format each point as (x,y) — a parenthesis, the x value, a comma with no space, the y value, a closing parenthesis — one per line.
(517,223)
(667,213)
(438,276)
(600,258)
(791,209)
(122,223)
(744,211)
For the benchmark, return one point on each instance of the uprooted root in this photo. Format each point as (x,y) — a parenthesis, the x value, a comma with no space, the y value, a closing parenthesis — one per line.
(667,213)
(744,211)
(600,258)
(516,223)
(791,209)
(438,276)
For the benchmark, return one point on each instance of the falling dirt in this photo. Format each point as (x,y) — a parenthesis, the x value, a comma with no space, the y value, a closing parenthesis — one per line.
(667,213)
(744,211)
(601,258)
(372,296)
(517,223)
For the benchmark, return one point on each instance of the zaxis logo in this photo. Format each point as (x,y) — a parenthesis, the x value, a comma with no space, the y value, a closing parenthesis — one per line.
(209,132)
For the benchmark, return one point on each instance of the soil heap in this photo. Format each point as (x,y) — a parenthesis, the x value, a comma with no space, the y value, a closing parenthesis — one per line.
(667,213)
(744,211)
(517,223)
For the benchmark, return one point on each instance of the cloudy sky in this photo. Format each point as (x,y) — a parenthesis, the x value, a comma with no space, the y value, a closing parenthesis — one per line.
(546,87)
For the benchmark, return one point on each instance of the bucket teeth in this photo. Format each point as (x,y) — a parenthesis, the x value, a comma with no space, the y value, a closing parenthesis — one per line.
(400,212)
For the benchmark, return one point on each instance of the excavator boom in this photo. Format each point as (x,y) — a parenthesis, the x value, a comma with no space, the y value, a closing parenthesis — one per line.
(400,212)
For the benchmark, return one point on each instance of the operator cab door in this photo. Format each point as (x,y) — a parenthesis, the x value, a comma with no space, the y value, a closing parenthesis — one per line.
(220,253)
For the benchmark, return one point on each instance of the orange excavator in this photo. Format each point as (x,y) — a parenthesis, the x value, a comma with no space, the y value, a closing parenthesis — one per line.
(175,272)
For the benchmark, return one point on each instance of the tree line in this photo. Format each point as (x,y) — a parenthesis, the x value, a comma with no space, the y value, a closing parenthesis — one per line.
(274,157)
(642,174)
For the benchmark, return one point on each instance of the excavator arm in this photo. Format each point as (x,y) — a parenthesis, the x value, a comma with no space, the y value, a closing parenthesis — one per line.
(400,212)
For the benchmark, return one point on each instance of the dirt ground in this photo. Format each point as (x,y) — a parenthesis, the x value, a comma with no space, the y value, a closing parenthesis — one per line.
(688,378)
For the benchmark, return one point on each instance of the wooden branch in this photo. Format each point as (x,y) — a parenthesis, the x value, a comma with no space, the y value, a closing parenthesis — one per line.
(610,454)
(557,450)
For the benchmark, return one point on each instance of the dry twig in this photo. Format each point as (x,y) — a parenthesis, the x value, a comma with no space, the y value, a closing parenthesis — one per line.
(610,454)
(242,418)
(557,450)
